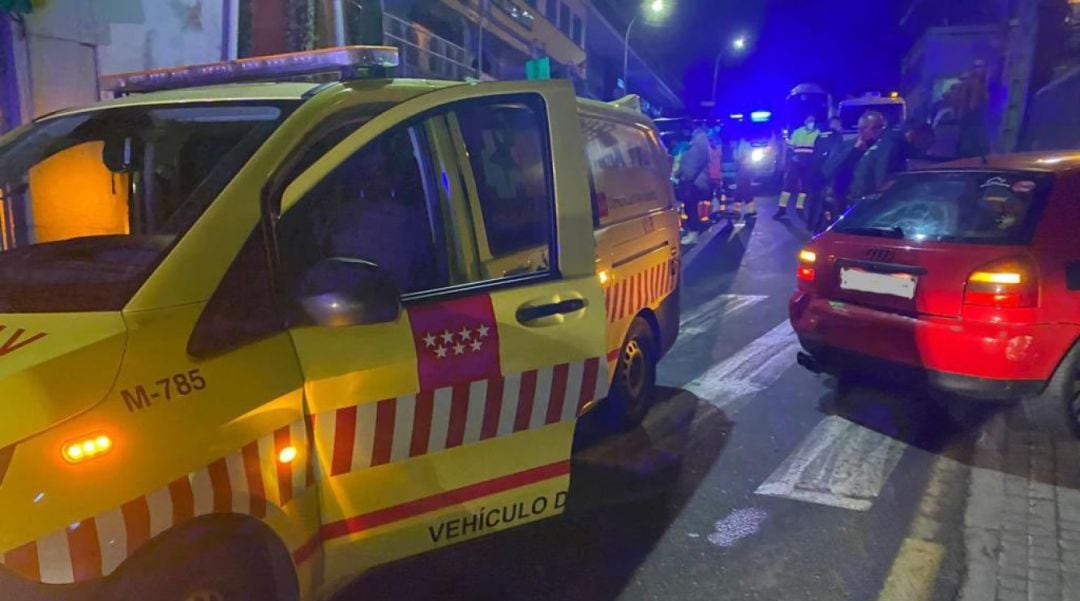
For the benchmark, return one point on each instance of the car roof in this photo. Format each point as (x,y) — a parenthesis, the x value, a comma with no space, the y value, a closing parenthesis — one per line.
(1049,161)
(281,91)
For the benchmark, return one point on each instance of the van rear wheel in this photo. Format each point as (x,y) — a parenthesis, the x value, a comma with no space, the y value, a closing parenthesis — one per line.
(1056,412)
(634,385)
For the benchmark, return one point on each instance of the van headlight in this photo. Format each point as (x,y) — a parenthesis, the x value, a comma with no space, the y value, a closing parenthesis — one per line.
(757,155)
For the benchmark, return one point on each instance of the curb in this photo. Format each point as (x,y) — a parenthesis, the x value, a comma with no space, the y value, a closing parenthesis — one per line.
(914,572)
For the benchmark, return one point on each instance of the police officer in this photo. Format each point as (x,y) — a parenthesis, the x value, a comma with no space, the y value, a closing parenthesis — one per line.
(796,180)
(744,179)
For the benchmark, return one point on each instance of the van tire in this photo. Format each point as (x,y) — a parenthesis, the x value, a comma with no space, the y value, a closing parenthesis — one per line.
(634,385)
(1056,412)
(216,567)
(218,575)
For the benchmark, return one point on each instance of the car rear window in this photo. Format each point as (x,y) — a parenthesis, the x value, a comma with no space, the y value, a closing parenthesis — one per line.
(976,207)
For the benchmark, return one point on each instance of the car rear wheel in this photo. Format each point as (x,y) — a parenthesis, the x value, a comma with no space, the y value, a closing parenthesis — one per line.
(634,385)
(1056,412)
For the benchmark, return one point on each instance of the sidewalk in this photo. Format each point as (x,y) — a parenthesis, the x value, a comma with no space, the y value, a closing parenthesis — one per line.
(1022,521)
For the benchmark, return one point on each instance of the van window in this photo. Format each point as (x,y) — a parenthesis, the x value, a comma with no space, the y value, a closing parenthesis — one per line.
(376,206)
(624,163)
(91,202)
(979,207)
(507,149)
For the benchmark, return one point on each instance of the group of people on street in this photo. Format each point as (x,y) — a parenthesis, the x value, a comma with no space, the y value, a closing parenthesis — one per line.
(699,180)
(826,173)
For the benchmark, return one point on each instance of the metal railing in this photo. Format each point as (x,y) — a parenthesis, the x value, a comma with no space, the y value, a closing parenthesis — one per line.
(424,54)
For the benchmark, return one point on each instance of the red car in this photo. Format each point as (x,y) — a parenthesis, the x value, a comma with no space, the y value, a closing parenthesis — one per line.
(964,277)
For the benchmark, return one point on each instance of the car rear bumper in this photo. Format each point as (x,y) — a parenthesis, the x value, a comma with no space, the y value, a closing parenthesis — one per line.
(825,359)
(974,359)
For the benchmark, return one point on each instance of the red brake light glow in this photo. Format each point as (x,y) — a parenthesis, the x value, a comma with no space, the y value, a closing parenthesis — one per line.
(1005,284)
(807,261)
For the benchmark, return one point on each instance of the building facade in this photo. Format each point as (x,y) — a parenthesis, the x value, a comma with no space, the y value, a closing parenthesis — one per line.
(52,55)
(51,58)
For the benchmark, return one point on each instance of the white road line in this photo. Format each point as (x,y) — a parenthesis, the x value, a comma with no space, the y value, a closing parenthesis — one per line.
(754,368)
(701,318)
(840,464)
(705,239)
(738,525)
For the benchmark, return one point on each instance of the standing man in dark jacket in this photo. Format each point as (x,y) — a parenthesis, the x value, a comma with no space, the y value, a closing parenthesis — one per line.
(829,142)
(693,178)
(862,165)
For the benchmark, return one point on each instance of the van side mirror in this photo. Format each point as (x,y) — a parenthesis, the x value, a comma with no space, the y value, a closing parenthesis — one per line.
(343,291)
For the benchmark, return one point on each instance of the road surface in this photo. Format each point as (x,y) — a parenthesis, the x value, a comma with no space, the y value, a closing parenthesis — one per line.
(755,479)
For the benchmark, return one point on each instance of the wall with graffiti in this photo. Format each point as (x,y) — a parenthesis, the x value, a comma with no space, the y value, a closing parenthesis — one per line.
(166,33)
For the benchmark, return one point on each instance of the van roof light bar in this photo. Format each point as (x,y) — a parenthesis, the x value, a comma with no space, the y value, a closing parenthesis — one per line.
(345,60)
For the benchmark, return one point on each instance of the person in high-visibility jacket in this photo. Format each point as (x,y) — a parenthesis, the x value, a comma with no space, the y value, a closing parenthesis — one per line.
(797,179)
(744,179)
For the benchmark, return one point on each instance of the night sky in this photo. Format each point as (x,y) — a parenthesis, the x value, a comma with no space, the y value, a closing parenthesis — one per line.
(849,46)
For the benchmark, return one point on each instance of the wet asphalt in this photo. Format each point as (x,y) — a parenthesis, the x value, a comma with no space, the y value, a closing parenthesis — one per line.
(671,510)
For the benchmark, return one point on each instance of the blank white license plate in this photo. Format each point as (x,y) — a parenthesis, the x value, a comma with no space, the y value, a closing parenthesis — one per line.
(893,284)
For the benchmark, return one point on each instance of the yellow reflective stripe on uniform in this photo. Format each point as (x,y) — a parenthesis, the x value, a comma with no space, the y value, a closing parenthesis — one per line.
(803,140)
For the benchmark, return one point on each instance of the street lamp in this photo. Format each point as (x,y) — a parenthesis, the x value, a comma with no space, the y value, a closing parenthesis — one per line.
(737,45)
(653,9)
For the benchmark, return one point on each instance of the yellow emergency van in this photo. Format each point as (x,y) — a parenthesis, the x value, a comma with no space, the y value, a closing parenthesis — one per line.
(257,338)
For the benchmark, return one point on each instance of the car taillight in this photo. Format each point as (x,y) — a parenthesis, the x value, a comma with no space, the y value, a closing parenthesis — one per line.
(1007,284)
(807,262)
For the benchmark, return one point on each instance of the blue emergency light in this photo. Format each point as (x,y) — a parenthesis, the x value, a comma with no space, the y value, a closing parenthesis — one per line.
(345,60)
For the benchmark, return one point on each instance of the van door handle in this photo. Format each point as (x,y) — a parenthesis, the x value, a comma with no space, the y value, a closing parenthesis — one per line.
(537,312)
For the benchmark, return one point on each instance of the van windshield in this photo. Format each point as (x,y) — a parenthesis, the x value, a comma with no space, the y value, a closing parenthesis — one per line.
(979,207)
(91,202)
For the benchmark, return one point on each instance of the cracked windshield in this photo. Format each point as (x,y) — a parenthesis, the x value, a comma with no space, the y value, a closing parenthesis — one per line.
(484,300)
